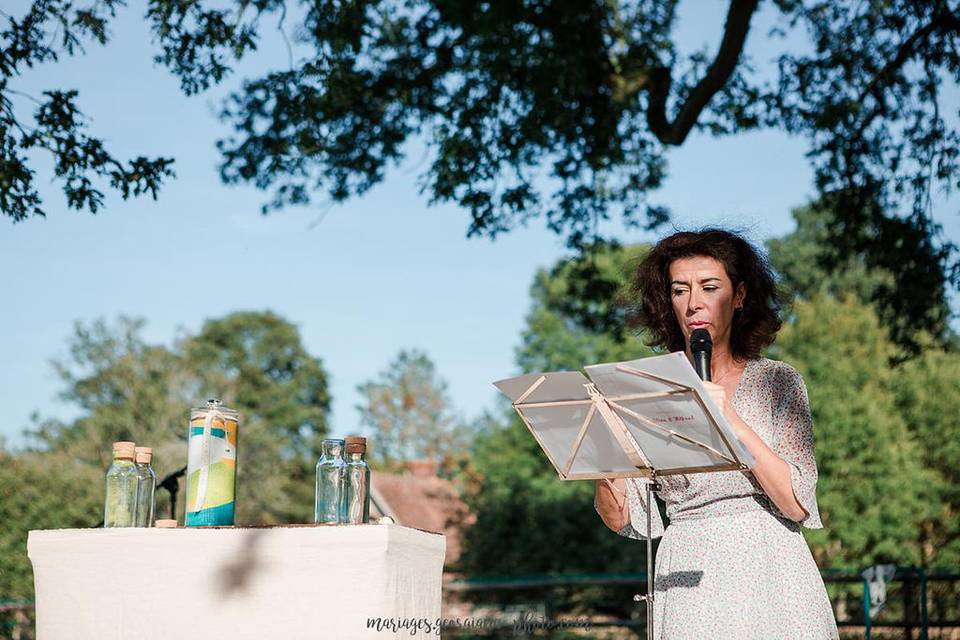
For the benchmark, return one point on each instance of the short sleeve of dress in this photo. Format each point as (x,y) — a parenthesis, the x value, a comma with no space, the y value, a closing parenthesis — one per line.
(637,500)
(794,441)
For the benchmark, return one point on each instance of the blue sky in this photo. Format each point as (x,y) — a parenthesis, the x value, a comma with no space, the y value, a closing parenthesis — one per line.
(368,278)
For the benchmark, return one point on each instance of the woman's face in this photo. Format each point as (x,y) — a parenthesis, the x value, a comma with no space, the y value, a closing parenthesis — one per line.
(704,298)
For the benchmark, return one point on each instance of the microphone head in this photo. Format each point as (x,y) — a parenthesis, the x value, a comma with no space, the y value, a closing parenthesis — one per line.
(700,340)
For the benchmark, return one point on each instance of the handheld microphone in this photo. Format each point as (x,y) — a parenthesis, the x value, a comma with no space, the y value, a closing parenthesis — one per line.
(701,347)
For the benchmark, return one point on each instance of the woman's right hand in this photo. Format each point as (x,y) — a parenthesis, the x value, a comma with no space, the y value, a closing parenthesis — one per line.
(611,498)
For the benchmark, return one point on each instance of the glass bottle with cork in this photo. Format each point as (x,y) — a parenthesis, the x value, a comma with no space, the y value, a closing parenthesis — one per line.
(120,499)
(357,482)
(146,486)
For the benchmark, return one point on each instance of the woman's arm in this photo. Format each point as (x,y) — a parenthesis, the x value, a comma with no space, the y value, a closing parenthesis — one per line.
(611,503)
(770,470)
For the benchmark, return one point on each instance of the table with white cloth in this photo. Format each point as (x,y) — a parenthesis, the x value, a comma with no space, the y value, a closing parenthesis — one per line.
(235,583)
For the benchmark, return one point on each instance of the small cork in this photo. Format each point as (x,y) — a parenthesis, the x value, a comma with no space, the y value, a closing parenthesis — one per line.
(124,449)
(144,455)
(165,524)
(355,444)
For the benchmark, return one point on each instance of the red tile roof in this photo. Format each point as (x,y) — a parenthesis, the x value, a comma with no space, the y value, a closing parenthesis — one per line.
(422,500)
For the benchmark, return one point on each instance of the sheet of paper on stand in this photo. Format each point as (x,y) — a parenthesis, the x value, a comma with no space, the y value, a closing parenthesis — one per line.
(626,419)
(678,413)
(557,427)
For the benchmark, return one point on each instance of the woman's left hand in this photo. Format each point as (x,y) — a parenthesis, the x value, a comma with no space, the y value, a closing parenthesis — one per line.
(719,396)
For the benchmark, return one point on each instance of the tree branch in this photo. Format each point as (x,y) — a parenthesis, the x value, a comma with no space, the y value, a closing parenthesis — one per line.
(943,21)
(717,75)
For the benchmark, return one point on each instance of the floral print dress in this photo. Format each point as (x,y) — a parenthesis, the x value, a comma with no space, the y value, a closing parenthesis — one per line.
(730,565)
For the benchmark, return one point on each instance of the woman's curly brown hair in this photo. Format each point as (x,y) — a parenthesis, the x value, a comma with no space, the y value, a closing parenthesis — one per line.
(754,327)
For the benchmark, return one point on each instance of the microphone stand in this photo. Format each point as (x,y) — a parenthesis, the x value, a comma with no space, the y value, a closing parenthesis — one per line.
(172,484)
(652,485)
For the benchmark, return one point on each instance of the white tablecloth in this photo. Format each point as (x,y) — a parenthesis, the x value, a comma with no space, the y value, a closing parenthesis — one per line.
(232,584)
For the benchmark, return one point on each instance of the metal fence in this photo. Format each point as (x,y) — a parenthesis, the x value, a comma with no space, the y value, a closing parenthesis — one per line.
(920,604)
(16,620)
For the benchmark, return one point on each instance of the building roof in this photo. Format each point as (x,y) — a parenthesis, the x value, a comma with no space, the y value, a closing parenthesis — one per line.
(418,498)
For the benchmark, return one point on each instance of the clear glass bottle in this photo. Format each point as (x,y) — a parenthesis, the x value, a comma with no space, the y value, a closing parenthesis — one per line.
(120,501)
(329,488)
(357,483)
(146,486)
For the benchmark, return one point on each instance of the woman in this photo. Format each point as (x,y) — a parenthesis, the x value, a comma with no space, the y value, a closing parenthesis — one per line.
(732,562)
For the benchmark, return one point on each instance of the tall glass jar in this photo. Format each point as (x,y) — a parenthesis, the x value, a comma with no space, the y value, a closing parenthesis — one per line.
(120,500)
(146,486)
(329,487)
(357,484)
(211,465)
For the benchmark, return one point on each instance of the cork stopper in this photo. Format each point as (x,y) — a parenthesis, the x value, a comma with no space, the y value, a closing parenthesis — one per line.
(124,450)
(144,455)
(165,524)
(355,444)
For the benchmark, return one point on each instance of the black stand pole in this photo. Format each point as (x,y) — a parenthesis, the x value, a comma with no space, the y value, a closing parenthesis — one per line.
(172,484)
(651,487)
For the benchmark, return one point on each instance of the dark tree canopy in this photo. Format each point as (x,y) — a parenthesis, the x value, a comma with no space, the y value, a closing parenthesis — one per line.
(906,288)
(51,29)
(533,108)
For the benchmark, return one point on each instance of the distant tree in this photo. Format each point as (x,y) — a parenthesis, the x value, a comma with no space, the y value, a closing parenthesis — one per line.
(253,361)
(875,491)
(809,265)
(579,312)
(125,389)
(799,261)
(258,364)
(927,397)
(528,521)
(923,388)
(41,491)
(564,110)
(409,414)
